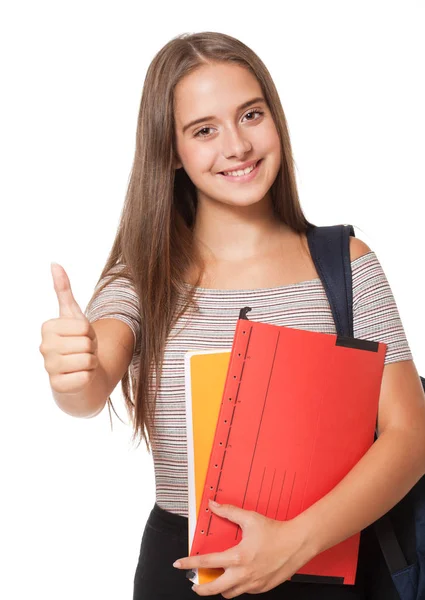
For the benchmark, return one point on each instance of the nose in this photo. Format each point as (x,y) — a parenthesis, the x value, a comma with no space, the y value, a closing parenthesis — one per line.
(235,143)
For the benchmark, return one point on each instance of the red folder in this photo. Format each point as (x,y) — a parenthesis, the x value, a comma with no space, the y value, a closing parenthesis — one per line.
(298,411)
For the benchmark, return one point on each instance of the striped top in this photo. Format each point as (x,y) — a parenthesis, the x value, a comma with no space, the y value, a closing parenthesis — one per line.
(302,305)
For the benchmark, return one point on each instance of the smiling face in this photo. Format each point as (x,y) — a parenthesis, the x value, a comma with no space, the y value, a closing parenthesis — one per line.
(235,127)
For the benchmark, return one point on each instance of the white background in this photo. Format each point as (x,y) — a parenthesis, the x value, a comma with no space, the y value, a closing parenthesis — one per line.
(76,496)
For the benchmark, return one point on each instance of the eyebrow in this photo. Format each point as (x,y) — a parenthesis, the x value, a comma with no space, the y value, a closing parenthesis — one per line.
(211,117)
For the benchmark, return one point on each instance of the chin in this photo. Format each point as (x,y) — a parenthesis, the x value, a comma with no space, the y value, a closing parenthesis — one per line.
(243,201)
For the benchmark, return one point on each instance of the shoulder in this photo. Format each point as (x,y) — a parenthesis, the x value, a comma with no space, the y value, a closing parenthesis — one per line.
(357,248)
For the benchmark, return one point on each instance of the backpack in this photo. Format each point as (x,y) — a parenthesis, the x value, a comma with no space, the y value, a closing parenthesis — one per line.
(401,531)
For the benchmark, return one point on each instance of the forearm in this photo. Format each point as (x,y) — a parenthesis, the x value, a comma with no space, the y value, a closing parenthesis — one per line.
(382,477)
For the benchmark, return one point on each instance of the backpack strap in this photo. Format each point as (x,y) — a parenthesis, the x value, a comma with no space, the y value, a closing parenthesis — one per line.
(330,251)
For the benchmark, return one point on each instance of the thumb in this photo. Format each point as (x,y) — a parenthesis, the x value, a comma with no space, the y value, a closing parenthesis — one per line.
(68,306)
(231,512)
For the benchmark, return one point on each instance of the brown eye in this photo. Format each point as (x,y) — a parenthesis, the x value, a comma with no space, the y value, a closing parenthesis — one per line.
(203,129)
(255,111)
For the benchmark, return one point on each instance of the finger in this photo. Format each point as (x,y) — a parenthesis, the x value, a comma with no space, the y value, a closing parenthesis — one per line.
(76,344)
(238,515)
(235,591)
(68,306)
(228,558)
(222,585)
(75,363)
(68,327)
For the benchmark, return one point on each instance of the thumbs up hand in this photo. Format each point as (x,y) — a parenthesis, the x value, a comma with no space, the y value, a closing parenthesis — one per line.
(69,343)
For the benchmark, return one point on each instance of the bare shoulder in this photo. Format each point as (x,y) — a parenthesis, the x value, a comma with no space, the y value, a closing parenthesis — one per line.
(357,248)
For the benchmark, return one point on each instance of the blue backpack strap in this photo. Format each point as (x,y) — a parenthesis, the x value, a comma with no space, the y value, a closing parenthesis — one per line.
(330,251)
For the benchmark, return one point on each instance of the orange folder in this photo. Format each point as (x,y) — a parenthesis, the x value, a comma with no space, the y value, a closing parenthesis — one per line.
(205,374)
(298,411)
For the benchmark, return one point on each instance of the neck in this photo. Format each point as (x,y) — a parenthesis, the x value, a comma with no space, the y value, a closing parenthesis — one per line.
(234,233)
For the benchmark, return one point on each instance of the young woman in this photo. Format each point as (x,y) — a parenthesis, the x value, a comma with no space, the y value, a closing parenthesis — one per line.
(211,223)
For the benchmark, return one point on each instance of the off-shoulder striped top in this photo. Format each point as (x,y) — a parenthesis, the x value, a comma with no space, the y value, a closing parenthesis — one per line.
(302,305)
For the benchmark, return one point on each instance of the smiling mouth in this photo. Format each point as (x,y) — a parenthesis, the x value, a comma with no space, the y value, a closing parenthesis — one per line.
(243,175)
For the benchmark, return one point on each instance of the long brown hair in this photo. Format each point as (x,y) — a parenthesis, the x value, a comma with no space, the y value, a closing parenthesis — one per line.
(154,241)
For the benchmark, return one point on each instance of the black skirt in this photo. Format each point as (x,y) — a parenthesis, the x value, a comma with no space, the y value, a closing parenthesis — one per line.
(165,539)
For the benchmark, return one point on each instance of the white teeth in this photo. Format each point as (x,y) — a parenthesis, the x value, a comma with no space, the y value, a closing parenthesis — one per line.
(240,172)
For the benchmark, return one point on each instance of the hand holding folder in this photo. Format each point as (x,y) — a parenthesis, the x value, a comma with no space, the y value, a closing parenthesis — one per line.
(287,431)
